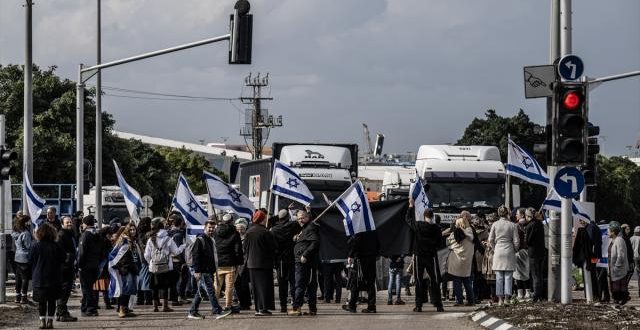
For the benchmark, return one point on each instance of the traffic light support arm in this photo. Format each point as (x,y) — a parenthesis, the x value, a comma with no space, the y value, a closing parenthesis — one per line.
(87,73)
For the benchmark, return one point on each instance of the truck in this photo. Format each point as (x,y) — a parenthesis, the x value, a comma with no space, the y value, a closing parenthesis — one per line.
(113,204)
(386,181)
(327,169)
(459,178)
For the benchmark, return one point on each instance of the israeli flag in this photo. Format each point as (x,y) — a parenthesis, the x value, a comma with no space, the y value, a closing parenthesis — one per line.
(287,183)
(354,206)
(35,204)
(186,203)
(116,283)
(224,197)
(131,196)
(523,165)
(553,203)
(420,199)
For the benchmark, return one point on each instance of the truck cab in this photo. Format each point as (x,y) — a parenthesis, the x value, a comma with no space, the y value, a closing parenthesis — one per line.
(113,204)
(460,178)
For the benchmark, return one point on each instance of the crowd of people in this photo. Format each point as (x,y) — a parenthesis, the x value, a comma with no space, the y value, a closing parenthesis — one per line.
(232,263)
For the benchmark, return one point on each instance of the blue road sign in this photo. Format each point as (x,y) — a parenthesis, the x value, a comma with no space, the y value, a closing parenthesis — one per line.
(569,182)
(570,67)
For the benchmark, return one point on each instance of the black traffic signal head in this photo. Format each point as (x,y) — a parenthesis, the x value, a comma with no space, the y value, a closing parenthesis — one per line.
(590,169)
(241,26)
(6,169)
(569,124)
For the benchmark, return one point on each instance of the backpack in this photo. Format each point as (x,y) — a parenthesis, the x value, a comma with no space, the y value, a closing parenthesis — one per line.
(188,252)
(159,262)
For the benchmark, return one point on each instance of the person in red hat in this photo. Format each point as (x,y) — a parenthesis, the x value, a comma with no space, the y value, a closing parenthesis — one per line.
(260,247)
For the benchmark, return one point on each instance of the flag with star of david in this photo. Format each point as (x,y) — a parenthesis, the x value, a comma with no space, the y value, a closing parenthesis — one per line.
(188,205)
(131,196)
(224,197)
(523,165)
(354,206)
(287,183)
(420,200)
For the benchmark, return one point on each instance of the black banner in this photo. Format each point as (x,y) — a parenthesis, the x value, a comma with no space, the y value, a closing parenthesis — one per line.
(393,233)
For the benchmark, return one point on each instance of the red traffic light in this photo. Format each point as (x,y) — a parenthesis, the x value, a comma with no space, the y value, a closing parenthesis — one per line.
(572,100)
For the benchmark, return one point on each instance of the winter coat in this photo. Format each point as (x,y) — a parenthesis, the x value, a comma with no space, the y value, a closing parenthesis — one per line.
(595,235)
(308,244)
(635,246)
(364,244)
(46,262)
(177,234)
(90,250)
(461,253)
(67,241)
(260,247)
(534,234)
(427,237)
(169,248)
(23,241)
(283,232)
(228,245)
(618,262)
(504,239)
(204,255)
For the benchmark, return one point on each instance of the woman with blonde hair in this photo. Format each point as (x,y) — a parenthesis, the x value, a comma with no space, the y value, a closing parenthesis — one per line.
(504,240)
(461,253)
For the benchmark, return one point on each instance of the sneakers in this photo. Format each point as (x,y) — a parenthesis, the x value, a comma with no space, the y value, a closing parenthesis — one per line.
(195,316)
(263,313)
(294,312)
(122,313)
(222,314)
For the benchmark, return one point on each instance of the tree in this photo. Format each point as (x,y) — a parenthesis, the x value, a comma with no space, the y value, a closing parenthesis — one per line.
(191,166)
(494,130)
(617,194)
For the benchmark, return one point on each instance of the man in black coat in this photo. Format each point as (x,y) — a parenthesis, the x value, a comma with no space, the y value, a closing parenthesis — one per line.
(68,243)
(260,247)
(230,256)
(364,248)
(203,256)
(534,234)
(427,238)
(306,258)
(90,254)
(283,231)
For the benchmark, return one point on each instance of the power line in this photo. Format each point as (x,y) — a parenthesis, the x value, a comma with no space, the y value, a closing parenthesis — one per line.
(162,98)
(175,96)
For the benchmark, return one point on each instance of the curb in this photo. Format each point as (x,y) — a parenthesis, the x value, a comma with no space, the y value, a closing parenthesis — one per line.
(489,322)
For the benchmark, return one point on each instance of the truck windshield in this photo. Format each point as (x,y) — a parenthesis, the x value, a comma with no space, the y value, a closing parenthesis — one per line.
(466,195)
(331,188)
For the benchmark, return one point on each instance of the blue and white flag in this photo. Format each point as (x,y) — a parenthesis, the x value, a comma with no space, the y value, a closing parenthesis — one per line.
(224,197)
(354,206)
(287,183)
(188,205)
(523,165)
(35,204)
(131,196)
(553,203)
(116,282)
(420,200)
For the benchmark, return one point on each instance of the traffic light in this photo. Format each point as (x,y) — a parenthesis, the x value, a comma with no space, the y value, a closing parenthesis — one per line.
(241,26)
(569,124)
(590,170)
(6,169)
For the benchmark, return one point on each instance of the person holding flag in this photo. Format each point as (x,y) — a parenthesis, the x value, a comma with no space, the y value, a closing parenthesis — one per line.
(124,265)
(131,196)
(307,260)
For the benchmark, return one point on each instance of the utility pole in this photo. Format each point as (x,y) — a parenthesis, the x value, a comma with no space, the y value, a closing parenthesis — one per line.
(553,231)
(98,214)
(257,119)
(28,99)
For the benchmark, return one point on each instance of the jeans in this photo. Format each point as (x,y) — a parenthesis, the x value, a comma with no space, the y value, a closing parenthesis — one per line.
(23,275)
(458,282)
(504,279)
(228,275)
(306,285)
(537,278)
(206,283)
(395,276)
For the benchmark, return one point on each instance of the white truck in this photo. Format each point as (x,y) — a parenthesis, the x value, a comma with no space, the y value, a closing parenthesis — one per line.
(327,169)
(462,178)
(113,204)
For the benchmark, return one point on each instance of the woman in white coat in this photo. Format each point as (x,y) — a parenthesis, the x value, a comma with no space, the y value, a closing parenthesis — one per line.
(504,240)
(618,264)
(460,259)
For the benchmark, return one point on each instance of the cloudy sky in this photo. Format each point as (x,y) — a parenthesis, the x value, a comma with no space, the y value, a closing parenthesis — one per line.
(417,71)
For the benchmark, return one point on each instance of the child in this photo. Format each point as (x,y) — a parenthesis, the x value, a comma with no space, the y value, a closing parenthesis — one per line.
(396,266)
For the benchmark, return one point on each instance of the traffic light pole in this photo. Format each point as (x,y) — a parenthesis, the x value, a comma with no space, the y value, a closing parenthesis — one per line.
(3,239)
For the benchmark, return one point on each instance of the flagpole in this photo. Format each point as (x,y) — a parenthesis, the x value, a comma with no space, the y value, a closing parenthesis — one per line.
(333,203)
(508,178)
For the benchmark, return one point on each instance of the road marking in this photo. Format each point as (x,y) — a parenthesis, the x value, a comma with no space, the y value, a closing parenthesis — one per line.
(504,326)
(478,316)
(489,322)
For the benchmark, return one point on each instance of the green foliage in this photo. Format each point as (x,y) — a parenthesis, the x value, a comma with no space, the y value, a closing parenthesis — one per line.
(618,191)
(151,171)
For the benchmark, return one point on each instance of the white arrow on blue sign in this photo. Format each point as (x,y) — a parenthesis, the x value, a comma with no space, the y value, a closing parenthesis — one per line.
(569,182)
(570,67)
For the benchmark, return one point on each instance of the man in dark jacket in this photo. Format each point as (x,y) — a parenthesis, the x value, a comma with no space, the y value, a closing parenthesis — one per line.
(230,256)
(306,258)
(283,231)
(427,237)
(68,243)
(534,234)
(203,255)
(363,247)
(180,272)
(260,247)
(90,254)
